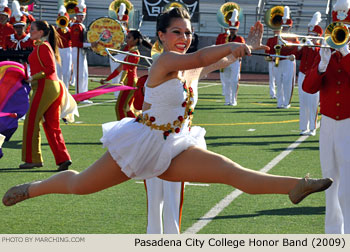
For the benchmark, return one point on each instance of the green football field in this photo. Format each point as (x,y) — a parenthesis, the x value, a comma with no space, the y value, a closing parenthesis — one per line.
(253,134)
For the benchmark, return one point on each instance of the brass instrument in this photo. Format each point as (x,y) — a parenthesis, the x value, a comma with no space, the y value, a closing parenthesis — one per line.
(173,5)
(25,2)
(273,17)
(224,14)
(113,9)
(62,22)
(336,36)
(278,53)
(156,50)
(70,6)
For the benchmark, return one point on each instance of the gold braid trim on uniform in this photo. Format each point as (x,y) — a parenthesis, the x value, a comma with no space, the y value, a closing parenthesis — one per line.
(177,124)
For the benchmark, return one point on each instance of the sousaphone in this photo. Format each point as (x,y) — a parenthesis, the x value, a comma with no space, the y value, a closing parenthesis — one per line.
(113,9)
(224,14)
(273,17)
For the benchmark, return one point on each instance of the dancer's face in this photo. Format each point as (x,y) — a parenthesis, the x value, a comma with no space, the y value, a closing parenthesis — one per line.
(35,34)
(178,35)
(130,40)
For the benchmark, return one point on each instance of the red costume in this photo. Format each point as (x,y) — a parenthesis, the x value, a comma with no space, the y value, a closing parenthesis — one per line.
(5,31)
(77,34)
(44,104)
(129,78)
(334,86)
(18,43)
(65,37)
(221,39)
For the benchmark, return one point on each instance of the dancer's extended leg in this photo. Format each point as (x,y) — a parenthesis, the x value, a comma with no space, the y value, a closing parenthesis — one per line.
(103,174)
(199,165)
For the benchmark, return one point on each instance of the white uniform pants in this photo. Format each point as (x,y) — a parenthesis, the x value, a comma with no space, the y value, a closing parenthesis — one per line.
(335,163)
(308,104)
(222,81)
(80,69)
(272,81)
(231,77)
(285,78)
(163,199)
(115,65)
(64,70)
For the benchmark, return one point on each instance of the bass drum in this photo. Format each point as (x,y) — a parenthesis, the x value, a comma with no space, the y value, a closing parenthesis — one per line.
(109,33)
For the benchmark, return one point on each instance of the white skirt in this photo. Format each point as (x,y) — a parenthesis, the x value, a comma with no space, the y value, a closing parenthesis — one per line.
(143,153)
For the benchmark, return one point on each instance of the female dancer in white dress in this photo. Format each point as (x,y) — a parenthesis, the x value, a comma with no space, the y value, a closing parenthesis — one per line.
(162,136)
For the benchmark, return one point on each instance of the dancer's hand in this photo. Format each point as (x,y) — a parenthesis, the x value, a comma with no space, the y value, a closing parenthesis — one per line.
(102,81)
(325,54)
(240,50)
(255,37)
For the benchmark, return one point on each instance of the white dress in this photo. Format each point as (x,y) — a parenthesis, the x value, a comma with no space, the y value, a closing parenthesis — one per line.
(144,147)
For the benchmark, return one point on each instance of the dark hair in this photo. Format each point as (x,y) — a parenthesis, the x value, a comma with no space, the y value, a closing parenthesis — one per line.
(164,19)
(53,36)
(141,39)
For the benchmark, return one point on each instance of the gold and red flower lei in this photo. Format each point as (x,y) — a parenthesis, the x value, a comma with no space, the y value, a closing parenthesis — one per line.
(175,127)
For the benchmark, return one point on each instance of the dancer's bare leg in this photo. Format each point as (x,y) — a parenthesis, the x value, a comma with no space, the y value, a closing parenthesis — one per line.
(103,174)
(198,165)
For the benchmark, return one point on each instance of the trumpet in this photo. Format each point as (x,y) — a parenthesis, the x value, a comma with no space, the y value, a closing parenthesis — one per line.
(62,22)
(336,36)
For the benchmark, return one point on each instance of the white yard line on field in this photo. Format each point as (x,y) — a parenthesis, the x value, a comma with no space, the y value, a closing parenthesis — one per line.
(215,211)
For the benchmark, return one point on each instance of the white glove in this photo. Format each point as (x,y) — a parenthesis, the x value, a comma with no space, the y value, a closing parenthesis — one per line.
(325,54)
(344,50)
(309,42)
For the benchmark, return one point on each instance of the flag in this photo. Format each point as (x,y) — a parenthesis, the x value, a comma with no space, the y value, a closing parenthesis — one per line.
(99,91)
(14,101)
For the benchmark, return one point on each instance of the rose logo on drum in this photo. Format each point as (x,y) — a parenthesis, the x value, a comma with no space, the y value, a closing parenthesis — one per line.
(106,36)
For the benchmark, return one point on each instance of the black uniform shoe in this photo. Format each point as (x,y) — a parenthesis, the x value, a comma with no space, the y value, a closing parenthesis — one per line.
(64,166)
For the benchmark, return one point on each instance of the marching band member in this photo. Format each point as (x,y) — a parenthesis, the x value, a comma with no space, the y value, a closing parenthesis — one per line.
(19,40)
(79,60)
(122,16)
(129,77)
(164,206)
(308,103)
(231,73)
(6,29)
(30,18)
(285,71)
(45,101)
(65,48)
(331,77)
(271,42)
(221,39)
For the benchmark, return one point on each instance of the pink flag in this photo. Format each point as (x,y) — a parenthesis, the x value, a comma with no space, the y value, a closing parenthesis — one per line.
(99,91)
(13,115)
(31,7)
